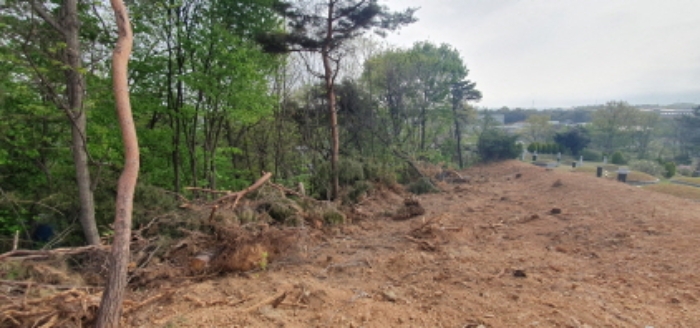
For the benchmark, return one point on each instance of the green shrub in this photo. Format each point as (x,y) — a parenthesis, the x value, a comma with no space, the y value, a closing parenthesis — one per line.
(422,186)
(646,166)
(349,171)
(670,169)
(495,145)
(532,147)
(358,189)
(333,217)
(618,159)
(592,155)
(685,170)
(379,172)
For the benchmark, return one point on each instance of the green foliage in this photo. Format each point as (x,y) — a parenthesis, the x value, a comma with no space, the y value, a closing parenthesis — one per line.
(532,147)
(669,170)
(358,190)
(648,167)
(618,158)
(333,217)
(573,139)
(422,186)
(591,155)
(495,145)
(349,172)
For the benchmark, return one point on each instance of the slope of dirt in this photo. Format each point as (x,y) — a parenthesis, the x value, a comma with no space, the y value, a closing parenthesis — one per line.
(516,246)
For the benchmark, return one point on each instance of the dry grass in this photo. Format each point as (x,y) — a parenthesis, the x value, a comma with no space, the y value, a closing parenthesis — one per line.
(681,191)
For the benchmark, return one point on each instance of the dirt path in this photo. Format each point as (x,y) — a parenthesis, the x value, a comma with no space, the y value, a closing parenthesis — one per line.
(489,253)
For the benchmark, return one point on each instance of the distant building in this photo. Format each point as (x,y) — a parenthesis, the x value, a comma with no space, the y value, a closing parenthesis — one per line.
(499,118)
(669,113)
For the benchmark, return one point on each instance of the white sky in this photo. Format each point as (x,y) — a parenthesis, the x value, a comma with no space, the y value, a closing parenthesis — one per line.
(563,53)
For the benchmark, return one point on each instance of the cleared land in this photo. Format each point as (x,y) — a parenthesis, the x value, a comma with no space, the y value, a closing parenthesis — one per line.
(516,246)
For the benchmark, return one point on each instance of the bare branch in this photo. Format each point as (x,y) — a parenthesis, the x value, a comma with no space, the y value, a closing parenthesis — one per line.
(41,11)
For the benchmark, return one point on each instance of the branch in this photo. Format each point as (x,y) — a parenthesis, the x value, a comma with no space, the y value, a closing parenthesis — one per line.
(238,195)
(41,11)
(21,254)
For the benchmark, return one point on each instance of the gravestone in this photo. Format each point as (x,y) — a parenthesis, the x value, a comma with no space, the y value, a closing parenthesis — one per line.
(622,174)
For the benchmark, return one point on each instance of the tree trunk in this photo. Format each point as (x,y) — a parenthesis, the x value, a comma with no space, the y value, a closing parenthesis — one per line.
(110,310)
(458,134)
(330,94)
(75,86)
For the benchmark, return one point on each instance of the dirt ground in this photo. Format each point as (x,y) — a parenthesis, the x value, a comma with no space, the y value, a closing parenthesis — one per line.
(516,246)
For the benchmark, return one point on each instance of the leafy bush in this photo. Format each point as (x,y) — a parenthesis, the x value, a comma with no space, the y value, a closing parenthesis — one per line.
(379,172)
(685,170)
(357,191)
(349,171)
(646,166)
(422,186)
(618,159)
(532,147)
(495,145)
(592,155)
(670,170)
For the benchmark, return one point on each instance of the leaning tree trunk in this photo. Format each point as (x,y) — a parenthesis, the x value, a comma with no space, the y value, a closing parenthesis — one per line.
(111,306)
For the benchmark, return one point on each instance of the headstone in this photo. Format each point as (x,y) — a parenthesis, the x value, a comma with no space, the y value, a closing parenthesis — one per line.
(524,154)
(534,157)
(599,171)
(622,174)
(605,159)
(558,157)
(580,161)
(573,164)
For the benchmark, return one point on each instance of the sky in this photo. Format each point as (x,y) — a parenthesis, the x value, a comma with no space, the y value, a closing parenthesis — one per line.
(565,53)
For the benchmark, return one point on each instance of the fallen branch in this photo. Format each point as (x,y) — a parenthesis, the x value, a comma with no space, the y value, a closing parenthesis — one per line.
(211,191)
(22,254)
(288,191)
(425,245)
(238,195)
(275,301)
(150,300)
(34,284)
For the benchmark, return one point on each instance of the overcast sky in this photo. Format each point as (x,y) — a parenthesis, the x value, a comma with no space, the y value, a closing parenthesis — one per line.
(563,53)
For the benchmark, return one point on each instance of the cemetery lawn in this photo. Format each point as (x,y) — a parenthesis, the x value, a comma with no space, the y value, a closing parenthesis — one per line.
(687,179)
(687,192)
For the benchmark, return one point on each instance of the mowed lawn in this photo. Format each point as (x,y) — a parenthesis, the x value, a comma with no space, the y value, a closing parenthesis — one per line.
(687,179)
(612,173)
(681,191)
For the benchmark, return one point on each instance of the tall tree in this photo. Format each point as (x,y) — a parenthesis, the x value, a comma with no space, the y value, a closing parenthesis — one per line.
(613,125)
(575,139)
(538,128)
(67,24)
(462,91)
(111,306)
(688,134)
(324,26)
(647,124)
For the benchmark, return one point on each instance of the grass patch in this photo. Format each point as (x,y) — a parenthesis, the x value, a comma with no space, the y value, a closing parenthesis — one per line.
(687,179)
(633,176)
(640,176)
(681,191)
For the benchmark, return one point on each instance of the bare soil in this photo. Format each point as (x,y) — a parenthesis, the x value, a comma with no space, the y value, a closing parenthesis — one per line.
(516,246)
(509,245)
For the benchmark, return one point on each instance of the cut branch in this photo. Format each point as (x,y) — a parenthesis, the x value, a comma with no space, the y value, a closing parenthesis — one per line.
(238,195)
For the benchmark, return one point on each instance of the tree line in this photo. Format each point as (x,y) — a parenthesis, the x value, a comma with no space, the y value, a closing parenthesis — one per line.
(221,91)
